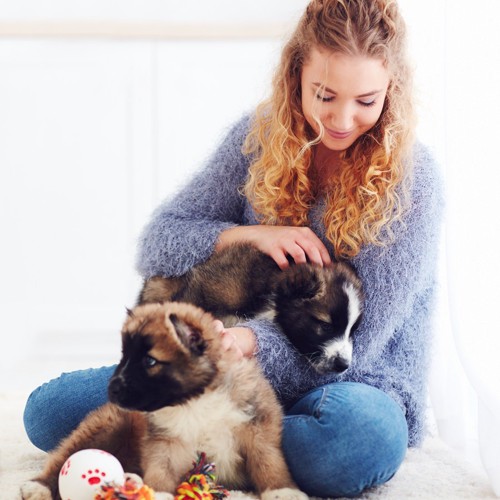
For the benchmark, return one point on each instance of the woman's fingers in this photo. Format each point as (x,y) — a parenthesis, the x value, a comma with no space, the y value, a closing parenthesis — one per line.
(229,343)
(301,245)
(281,243)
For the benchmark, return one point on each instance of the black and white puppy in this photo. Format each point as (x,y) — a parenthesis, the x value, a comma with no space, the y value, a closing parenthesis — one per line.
(318,309)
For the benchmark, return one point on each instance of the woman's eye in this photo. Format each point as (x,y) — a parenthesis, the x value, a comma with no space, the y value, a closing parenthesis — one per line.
(367,104)
(324,98)
(149,362)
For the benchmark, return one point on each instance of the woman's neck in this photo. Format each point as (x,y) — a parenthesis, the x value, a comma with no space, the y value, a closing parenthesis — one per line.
(325,167)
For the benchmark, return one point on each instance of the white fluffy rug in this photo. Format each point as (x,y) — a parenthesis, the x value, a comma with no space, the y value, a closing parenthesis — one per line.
(433,472)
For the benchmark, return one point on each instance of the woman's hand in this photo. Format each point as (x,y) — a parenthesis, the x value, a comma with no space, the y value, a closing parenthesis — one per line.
(279,242)
(237,341)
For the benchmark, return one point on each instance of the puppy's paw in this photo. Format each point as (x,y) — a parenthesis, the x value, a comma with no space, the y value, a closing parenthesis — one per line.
(159,495)
(284,494)
(163,496)
(33,490)
(134,477)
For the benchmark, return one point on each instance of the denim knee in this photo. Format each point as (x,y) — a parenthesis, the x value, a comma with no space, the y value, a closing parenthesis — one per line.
(343,438)
(30,418)
(55,409)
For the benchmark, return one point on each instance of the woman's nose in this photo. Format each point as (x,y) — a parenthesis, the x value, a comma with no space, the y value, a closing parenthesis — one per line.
(342,119)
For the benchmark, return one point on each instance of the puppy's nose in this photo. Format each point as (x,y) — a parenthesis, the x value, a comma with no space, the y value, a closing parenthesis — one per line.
(340,365)
(114,388)
(329,365)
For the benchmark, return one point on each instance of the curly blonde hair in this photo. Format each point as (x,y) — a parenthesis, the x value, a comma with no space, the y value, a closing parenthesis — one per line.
(372,189)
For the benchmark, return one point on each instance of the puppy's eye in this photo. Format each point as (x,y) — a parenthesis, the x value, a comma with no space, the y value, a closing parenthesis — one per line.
(322,323)
(149,361)
(323,327)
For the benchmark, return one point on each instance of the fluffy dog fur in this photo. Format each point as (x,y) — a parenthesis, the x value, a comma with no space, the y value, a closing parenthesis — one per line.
(317,308)
(176,393)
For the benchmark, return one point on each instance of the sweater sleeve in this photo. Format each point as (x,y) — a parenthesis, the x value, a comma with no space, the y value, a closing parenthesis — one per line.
(184,229)
(289,373)
(396,275)
(393,344)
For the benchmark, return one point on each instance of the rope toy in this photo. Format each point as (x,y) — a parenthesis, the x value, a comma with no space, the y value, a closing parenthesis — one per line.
(133,489)
(199,484)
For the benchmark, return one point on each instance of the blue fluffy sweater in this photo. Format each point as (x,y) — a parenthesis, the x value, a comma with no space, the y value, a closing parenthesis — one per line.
(392,344)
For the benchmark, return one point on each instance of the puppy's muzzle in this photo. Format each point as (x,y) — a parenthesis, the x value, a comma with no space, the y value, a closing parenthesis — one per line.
(116,389)
(329,365)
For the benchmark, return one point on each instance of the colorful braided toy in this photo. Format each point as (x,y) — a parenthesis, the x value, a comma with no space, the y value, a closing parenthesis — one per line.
(131,490)
(199,484)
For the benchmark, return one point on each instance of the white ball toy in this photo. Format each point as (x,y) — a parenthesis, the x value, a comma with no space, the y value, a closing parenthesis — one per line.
(86,471)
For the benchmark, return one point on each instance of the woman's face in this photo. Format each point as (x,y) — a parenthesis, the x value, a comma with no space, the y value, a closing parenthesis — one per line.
(345,93)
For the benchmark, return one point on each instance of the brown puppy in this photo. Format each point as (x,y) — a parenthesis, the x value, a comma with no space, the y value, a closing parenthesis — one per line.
(318,309)
(176,393)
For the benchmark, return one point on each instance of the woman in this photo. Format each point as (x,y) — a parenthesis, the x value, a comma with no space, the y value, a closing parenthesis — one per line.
(326,169)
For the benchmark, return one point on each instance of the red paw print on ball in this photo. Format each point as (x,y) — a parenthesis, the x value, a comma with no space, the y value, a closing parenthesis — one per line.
(93,477)
(65,468)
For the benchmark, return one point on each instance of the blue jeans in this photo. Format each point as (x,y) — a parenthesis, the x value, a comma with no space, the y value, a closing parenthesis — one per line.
(338,439)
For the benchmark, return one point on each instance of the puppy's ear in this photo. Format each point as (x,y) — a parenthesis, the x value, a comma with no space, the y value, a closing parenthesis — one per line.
(299,282)
(190,336)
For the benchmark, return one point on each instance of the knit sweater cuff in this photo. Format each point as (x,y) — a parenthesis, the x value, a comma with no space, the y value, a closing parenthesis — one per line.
(287,371)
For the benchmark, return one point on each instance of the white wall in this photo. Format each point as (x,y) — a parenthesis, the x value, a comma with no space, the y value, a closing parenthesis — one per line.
(170,11)
(95,131)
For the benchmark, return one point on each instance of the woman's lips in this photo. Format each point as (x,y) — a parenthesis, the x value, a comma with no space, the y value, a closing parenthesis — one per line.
(338,135)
